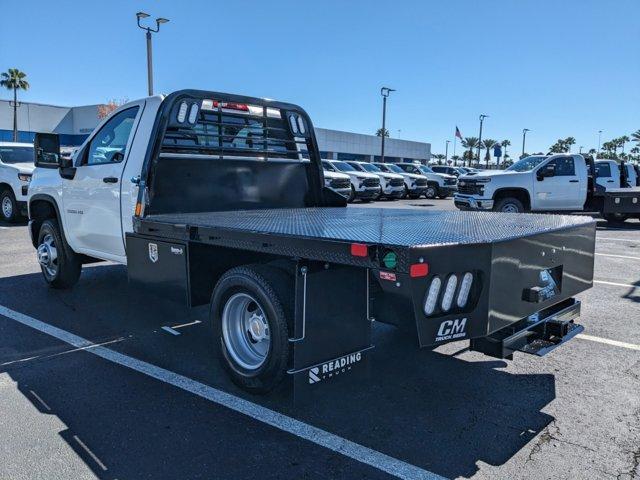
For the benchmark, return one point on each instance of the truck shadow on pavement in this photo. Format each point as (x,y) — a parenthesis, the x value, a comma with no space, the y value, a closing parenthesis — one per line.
(438,412)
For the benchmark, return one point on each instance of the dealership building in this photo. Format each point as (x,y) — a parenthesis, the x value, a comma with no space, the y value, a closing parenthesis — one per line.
(74,124)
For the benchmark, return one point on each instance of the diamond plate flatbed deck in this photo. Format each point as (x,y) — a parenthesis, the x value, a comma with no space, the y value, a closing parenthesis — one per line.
(381,226)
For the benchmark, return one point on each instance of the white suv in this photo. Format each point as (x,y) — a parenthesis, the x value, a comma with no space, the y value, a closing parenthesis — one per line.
(364,185)
(16,168)
(439,185)
(391,184)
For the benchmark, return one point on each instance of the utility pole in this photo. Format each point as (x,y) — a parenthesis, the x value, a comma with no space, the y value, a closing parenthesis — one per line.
(446,151)
(384,91)
(149,30)
(482,117)
(524,138)
(599,141)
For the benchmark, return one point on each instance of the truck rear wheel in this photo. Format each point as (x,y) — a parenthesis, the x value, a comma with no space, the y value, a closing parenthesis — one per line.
(8,206)
(509,205)
(60,265)
(250,308)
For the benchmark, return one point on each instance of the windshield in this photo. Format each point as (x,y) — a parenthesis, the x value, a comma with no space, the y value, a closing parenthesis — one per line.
(394,168)
(425,169)
(370,168)
(526,164)
(344,167)
(16,154)
(328,166)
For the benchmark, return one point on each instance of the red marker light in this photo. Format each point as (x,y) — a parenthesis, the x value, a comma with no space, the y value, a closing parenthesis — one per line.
(359,250)
(231,106)
(419,270)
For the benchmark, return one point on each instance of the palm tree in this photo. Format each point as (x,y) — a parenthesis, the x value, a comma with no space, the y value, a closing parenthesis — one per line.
(635,136)
(488,144)
(470,143)
(379,132)
(505,144)
(14,79)
(623,139)
(439,157)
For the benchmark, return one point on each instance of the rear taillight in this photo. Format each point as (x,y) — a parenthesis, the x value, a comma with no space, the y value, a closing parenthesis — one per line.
(465,288)
(440,295)
(431,299)
(449,292)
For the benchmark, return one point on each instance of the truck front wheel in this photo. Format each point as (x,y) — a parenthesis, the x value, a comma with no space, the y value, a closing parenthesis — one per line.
(249,310)
(509,205)
(60,265)
(8,206)
(431,192)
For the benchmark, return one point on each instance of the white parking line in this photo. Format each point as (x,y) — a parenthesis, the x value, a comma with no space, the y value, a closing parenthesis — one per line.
(91,454)
(42,402)
(617,256)
(320,437)
(625,285)
(615,343)
(617,239)
(171,330)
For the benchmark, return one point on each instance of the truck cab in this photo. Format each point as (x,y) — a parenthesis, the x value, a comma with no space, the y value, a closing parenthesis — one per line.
(439,185)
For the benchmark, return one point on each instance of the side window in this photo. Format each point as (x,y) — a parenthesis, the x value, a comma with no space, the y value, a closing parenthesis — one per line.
(109,144)
(603,170)
(564,167)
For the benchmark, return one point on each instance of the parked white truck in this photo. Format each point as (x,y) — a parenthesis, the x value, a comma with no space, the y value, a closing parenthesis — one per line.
(555,183)
(16,168)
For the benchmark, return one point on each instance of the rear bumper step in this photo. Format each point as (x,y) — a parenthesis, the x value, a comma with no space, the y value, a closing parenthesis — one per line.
(538,334)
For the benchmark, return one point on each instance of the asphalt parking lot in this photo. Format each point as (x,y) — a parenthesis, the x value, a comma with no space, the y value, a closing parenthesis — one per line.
(92,386)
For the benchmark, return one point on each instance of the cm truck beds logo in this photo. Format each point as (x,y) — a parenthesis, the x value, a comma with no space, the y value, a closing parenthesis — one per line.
(452,329)
(333,367)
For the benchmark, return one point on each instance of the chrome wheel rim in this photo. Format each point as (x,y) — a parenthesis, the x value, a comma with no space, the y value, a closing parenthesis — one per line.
(431,192)
(245,331)
(7,207)
(47,254)
(509,208)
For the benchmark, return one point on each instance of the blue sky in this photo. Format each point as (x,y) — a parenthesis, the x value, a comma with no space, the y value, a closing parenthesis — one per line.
(560,68)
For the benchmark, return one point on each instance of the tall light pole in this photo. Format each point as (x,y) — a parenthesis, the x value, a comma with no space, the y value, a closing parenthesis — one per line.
(140,16)
(482,117)
(580,149)
(599,140)
(446,151)
(384,91)
(524,139)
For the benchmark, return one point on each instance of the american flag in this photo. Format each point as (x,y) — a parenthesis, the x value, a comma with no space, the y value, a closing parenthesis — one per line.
(458,134)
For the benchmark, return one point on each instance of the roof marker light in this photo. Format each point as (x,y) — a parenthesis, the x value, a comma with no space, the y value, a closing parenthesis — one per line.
(193,113)
(301,126)
(449,291)
(432,296)
(293,123)
(182,112)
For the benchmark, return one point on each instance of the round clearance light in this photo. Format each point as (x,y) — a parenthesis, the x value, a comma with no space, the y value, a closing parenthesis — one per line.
(182,112)
(294,124)
(390,260)
(432,296)
(465,288)
(193,113)
(450,289)
(301,126)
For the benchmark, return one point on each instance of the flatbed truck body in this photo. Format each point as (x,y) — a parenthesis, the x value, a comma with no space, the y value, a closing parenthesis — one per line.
(231,211)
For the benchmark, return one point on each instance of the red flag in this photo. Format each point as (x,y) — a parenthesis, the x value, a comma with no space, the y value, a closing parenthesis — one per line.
(458,134)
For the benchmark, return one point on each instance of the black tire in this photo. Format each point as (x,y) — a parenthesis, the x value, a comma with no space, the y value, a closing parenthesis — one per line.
(509,205)
(615,219)
(443,196)
(9,207)
(413,196)
(405,194)
(272,290)
(68,263)
(431,192)
(352,195)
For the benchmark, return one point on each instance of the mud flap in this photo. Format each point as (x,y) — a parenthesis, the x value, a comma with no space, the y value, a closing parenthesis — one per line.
(332,328)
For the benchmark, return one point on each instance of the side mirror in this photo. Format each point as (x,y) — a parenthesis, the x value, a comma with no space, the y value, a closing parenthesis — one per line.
(47,150)
(548,170)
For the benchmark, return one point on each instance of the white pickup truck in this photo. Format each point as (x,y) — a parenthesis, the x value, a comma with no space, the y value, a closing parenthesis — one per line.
(16,167)
(555,183)
(218,199)
(611,174)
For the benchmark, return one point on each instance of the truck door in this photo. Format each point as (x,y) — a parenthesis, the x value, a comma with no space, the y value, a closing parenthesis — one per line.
(632,177)
(607,174)
(562,191)
(92,197)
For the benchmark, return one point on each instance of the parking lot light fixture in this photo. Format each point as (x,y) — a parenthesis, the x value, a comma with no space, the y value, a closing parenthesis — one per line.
(140,16)
(384,91)
(524,137)
(482,117)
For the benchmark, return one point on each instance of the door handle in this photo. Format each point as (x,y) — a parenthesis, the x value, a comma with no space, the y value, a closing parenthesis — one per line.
(609,181)
(574,181)
(110,180)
